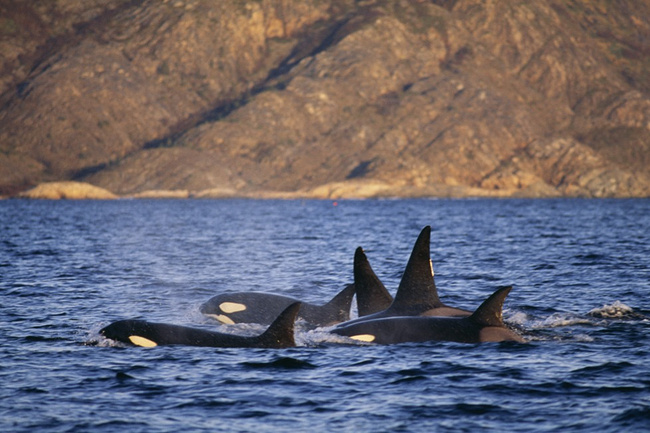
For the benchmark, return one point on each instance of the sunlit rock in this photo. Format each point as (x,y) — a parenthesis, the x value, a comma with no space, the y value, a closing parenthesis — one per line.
(68,190)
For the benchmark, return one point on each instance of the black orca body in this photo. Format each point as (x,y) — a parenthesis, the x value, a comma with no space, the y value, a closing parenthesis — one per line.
(417,294)
(279,334)
(263,308)
(484,325)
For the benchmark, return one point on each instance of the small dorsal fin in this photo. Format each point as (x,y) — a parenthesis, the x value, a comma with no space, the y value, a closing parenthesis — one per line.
(490,312)
(417,288)
(280,333)
(372,295)
(341,303)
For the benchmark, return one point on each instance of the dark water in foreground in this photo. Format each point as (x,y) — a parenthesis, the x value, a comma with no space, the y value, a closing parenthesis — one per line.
(69,268)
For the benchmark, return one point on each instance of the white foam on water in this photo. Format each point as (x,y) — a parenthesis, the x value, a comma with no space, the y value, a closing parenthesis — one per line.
(318,336)
(613,311)
(518,318)
(94,338)
(584,338)
(557,320)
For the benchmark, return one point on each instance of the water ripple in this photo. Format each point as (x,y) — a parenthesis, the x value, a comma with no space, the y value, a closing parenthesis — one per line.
(578,267)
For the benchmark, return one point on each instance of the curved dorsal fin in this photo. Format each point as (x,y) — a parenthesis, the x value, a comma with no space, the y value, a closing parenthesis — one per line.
(340,305)
(490,312)
(372,295)
(280,333)
(417,289)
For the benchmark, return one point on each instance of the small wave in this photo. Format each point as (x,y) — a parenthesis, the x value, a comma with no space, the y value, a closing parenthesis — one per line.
(617,310)
(583,338)
(101,341)
(542,336)
(634,415)
(122,376)
(605,368)
(590,259)
(319,336)
(206,403)
(518,318)
(521,320)
(408,379)
(33,390)
(477,409)
(284,362)
(94,338)
(558,320)
(42,339)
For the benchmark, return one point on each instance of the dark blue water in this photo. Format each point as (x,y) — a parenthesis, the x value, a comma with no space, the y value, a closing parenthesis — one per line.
(580,271)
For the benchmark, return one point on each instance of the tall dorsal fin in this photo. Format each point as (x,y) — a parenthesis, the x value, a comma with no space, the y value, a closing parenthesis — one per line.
(372,295)
(490,312)
(280,333)
(341,303)
(417,289)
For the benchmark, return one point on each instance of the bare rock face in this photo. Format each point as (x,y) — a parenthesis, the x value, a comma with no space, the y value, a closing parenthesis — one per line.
(141,73)
(286,98)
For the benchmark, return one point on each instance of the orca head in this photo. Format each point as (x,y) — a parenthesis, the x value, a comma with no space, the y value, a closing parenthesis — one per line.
(128,331)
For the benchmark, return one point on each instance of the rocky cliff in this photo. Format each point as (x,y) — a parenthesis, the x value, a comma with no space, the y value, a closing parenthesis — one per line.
(327,98)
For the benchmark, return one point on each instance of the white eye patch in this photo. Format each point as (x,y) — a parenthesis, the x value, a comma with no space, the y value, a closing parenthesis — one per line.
(141,341)
(231,307)
(368,338)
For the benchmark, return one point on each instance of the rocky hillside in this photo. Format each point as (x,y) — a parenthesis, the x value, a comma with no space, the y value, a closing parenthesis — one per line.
(327,98)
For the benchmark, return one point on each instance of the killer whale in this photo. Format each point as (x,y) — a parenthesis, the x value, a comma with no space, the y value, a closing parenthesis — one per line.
(416,294)
(484,325)
(280,334)
(263,308)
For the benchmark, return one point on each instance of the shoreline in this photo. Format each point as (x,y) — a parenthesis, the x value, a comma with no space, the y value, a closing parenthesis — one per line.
(357,190)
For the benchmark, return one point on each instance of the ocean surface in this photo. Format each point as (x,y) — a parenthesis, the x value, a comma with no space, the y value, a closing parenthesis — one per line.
(580,271)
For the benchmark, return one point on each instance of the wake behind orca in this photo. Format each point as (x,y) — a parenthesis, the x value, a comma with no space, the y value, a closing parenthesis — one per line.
(484,325)
(263,308)
(279,334)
